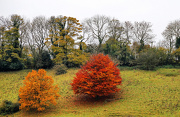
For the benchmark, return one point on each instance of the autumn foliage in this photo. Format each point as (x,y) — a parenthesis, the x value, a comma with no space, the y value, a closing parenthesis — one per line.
(38,91)
(99,77)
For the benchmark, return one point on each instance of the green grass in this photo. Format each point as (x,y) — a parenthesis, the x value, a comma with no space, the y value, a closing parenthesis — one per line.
(169,66)
(169,72)
(144,93)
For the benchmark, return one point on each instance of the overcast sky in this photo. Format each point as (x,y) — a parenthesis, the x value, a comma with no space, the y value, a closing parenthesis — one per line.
(159,12)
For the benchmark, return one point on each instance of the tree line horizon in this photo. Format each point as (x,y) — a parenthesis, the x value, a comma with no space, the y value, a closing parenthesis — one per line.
(44,42)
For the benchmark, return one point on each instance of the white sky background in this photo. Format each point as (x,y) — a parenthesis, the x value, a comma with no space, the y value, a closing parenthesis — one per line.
(159,12)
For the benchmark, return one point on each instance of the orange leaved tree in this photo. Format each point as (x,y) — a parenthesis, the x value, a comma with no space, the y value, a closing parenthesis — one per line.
(38,91)
(98,77)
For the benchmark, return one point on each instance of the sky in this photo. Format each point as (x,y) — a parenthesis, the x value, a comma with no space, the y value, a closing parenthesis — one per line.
(159,12)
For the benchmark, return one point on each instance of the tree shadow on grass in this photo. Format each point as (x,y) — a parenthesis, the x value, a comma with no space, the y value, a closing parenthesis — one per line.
(86,100)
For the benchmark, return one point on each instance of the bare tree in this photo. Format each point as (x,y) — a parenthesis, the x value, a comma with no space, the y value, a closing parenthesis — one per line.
(128,31)
(5,22)
(35,34)
(25,38)
(23,31)
(163,44)
(143,33)
(39,32)
(85,37)
(97,27)
(2,29)
(115,29)
(120,31)
(172,32)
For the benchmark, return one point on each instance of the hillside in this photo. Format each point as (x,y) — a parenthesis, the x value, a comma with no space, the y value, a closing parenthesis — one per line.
(144,93)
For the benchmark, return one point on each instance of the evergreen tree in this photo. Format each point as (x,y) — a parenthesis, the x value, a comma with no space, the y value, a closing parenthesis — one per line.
(177,42)
(10,46)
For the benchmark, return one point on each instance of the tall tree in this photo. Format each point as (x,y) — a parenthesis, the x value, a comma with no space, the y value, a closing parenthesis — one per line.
(171,33)
(115,29)
(120,35)
(98,28)
(17,21)
(10,43)
(143,33)
(63,33)
(53,34)
(39,33)
(128,31)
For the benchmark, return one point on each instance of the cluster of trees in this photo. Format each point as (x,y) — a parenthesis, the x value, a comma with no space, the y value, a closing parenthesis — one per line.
(132,43)
(35,44)
(42,42)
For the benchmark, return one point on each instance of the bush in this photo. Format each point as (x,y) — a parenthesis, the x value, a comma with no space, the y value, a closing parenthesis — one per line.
(38,91)
(60,69)
(16,66)
(8,107)
(99,77)
(42,60)
(4,66)
(148,60)
(10,66)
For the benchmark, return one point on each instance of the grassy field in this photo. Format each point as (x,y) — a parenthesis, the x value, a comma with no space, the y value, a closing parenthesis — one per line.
(144,93)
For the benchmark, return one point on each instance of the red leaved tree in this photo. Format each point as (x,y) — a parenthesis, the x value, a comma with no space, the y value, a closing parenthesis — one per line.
(38,91)
(98,77)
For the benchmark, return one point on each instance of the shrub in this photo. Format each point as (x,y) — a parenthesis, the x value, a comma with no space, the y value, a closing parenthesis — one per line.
(8,107)
(42,60)
(16,66)
(61,69)
(4,65)
(98,77)
(8,66)
(148,60)
(38,91)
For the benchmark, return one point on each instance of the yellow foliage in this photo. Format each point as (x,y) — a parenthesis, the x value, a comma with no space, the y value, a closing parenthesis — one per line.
(9,60)
(62,37)
(15,55)
(30,55)
(176,52)
(59,57)
(0,57)
(77,57)
(38,91)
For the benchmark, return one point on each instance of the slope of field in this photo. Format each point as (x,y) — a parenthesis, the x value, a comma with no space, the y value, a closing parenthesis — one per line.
(144,93)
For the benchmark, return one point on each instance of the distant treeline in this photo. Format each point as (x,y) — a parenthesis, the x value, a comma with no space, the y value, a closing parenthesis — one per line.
(44,42)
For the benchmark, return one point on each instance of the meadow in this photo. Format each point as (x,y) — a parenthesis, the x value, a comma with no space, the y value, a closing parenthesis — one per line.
(143,93)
